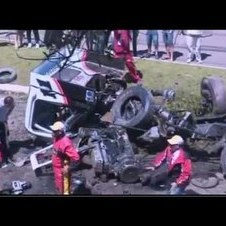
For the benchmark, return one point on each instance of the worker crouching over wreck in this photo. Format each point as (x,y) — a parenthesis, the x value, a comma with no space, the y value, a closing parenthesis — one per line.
(171,167)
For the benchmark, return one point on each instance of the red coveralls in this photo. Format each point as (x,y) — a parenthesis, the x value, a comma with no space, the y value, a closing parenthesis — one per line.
(63,153)
(121,47)
(173,159)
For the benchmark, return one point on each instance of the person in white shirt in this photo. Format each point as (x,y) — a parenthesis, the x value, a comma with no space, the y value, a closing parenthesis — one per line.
(7,104)
(193,41)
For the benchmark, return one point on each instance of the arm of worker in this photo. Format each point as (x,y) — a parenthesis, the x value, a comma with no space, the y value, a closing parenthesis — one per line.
(186,170)
(160,157)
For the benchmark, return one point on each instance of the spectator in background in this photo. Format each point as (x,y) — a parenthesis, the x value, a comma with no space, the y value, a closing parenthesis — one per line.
(89,39)
(99,36)
(193,41)
(37,39)
(152,38)
(53,39)
(169,45)
(135,34)
(7,104)
(107,36)
(19,39)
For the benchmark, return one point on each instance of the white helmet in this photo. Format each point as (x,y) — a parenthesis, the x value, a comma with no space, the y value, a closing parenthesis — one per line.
(176,140)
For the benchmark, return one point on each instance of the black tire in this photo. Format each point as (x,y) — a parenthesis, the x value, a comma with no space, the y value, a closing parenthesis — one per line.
(129,174)
(7,75)
(143,116)
(214,91)
(223,161)
(205,180)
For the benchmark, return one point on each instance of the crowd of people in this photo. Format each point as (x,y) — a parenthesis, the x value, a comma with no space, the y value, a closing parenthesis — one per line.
(99,40)
(193,40)
(21,34)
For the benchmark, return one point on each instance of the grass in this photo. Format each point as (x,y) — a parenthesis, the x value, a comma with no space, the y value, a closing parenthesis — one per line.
(8,58)
(184,79)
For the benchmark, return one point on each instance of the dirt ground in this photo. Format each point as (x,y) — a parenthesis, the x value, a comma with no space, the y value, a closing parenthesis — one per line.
(22,144)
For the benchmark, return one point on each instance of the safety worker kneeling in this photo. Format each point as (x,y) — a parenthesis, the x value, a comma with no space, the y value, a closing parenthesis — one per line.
(172,166)
(65,158)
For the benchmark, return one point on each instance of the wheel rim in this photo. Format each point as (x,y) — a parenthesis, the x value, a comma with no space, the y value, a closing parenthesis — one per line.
(5,74)
(129,174)
(131,108)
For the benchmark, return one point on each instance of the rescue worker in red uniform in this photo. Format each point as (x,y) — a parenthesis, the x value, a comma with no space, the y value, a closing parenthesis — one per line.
(177,165)
(65,157)
(121,46)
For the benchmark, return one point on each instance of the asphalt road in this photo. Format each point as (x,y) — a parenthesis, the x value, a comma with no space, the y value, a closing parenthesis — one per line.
(213,48)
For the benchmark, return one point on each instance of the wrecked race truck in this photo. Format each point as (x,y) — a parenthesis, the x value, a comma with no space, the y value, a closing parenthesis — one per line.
(77,89)
(146,120)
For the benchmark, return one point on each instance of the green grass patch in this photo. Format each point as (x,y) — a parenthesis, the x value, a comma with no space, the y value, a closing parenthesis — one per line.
(8,58)
(185,79)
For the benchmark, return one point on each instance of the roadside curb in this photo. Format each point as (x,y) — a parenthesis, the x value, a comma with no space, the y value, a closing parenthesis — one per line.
(181,63)
(14,88)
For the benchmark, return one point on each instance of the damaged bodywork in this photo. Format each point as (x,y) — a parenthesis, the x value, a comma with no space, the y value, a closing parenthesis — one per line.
(86,86)
(136,108)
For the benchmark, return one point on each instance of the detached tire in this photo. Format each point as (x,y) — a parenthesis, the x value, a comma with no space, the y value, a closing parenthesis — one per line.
(214,91)
(205,180)
(133,108)
(7,75)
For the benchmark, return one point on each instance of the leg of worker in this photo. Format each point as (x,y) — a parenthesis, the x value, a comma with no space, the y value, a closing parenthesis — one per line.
(189,42)
(58,177)
(66,180)
(131,67)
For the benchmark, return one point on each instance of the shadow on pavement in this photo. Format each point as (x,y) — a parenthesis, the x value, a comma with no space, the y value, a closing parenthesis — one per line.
(177,54)
(205,55)
(191,192)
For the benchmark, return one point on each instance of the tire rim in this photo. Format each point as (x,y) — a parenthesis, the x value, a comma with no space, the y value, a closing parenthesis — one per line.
(131,108)
(5,74)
